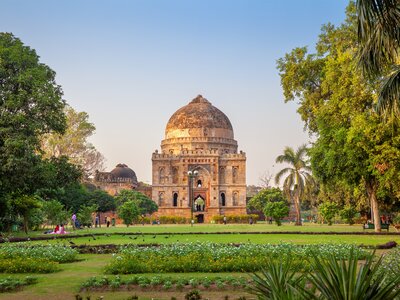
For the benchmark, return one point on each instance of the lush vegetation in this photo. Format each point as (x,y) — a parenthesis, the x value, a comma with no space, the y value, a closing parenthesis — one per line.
(54,252)
(329,278)
(354,150)
(10,284)
(166,282)
(209,257)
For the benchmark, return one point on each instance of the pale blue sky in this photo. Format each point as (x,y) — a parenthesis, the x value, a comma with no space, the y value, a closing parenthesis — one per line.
(132,64)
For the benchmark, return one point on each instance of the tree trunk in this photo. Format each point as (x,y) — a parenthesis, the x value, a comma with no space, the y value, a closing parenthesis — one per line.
(297,207)
(372,187)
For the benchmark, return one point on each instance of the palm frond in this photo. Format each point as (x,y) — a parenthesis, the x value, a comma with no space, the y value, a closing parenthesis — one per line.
(378,33)
(389,97)
(287,157)
(281,173)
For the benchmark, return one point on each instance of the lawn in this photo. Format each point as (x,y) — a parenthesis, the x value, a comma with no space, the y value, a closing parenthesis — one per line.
(66,283)
(204,228)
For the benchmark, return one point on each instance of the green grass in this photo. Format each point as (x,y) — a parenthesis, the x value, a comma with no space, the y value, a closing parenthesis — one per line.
(229,238)
(186,228)
(66,284)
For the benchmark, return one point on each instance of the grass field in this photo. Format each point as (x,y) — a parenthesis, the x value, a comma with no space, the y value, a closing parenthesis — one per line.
(229,238)
(186,228)
(65,284)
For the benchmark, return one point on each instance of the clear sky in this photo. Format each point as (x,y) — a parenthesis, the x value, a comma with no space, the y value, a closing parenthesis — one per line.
(131,64)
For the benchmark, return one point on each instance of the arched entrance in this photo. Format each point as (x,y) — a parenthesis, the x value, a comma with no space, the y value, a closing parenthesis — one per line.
(199,203)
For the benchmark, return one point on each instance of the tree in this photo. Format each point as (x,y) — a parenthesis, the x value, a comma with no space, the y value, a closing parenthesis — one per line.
(259,201)
(144,204)
(55,213)
(328,211)
(73,143)
(277,210)
(85,215)
(347,214)
(128,212)
(298,175)
(379,36)
(352,145)
(23,205)
(30,105)
(103,200)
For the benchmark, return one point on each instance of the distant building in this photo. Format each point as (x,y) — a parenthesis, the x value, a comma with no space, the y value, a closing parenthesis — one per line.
(199,137)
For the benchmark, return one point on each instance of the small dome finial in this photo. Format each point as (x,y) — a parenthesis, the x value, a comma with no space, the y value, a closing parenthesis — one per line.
(199,99)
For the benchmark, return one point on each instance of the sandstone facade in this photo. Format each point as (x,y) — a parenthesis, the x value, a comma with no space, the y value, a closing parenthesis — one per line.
(199,137)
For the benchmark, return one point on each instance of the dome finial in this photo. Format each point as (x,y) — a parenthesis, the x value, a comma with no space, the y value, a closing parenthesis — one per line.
(199,99)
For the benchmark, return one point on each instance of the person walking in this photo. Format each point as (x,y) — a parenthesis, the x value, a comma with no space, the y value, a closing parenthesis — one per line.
(73,219)
(108,220)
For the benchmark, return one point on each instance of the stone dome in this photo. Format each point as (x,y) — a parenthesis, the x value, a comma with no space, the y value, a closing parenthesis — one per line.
(123,171)
(199,118)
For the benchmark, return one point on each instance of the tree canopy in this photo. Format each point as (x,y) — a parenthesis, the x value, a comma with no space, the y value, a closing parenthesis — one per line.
(74,144)
(144,204)
(352,145)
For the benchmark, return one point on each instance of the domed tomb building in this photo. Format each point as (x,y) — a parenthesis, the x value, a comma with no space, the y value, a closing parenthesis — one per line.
(199,137)
(120,178)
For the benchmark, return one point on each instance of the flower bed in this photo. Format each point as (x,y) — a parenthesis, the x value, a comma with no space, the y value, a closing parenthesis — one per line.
(11,284)
(164,282)
(209,257)
(28,265)
(55,253)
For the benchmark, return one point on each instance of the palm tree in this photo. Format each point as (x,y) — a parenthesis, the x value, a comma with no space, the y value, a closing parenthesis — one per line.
(379,37)
(298,175)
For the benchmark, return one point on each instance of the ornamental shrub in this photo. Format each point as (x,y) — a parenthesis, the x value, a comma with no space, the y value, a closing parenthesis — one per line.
(242,219)
(56,253)
(211,258)
(11,284)
(28,265)
(277,210)
(328,210)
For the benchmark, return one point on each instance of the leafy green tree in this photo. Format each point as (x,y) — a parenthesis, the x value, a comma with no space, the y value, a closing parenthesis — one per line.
(128,212)
(85,214)
(55,213)
(30,105)
(24,205)
(277,210)
(298,175)
(144,204)
(73,197)
(328,211)
(103,200)
(379,36)
(74,144)
(348,214)
(352,145)
(259,201)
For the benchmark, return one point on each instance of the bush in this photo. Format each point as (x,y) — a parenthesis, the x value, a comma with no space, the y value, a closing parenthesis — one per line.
(11,284)
(243,219)
(28,265)
(348,214)
(56,253)
(328,210)
(209,257)
(277,210)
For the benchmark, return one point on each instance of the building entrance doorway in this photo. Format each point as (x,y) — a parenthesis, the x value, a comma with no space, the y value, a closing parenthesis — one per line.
(200,218)
(199,204)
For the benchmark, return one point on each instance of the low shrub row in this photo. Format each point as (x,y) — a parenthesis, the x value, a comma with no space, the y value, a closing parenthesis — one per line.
(55,253)
(243,219)
(28,265)
(11,284)
(164,282)
(164,220)
(209,257)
